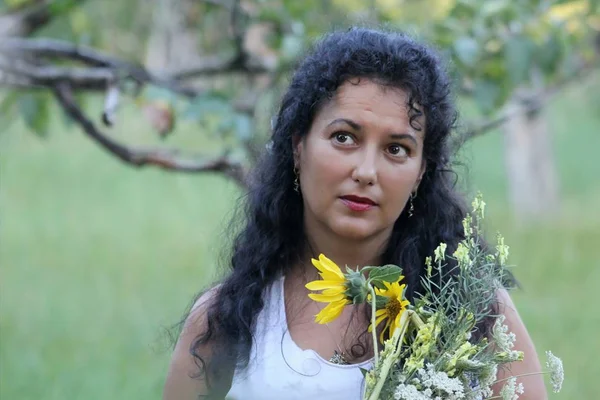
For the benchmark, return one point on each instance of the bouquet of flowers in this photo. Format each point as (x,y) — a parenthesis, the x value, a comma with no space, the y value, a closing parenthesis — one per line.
(433,349)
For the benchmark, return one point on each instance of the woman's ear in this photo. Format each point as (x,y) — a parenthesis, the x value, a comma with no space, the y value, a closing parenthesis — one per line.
(421,173)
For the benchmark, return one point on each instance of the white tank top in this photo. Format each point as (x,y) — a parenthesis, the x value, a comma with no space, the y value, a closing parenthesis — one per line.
(279,369)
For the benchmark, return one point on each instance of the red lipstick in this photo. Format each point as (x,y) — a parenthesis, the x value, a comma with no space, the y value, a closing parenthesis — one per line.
(357,203)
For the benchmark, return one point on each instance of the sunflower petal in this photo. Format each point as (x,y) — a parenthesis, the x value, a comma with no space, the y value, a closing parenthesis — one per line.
(382,335)
(327,267)
(377,322)
(329,276)
(322,285)
(331,312)
(379,319)
(330,265)
(324,298)
(380,312)
(401,290)
(333,291)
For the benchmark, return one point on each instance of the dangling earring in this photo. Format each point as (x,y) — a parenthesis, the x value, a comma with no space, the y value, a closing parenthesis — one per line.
(296,181)
(411,210)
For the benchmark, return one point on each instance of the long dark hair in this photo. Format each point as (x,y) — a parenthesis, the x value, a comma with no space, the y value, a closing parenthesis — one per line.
(272,236)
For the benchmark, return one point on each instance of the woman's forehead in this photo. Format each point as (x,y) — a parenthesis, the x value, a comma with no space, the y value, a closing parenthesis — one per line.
(366,98)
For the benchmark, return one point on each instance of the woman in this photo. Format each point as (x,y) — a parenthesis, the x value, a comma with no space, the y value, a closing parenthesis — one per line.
(359,170)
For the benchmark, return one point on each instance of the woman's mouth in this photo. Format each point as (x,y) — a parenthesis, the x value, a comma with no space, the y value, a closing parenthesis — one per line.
(357,203)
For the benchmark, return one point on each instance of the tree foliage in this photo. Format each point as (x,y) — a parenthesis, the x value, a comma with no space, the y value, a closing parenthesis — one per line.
(246,48)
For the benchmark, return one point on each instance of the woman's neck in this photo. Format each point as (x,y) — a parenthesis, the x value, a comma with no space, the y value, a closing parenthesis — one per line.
(344,252)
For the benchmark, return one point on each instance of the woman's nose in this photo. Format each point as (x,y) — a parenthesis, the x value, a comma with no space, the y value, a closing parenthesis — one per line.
(365,170)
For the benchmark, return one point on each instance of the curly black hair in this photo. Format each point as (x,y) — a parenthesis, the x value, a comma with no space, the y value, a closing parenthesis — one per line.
(272,237)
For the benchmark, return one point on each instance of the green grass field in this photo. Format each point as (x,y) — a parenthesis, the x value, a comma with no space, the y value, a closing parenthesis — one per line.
(97,258)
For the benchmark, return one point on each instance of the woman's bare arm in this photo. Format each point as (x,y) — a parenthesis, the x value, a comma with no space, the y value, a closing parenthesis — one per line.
(182,382)
(533,384)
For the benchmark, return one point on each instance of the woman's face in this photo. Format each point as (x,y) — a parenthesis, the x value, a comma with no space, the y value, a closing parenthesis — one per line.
(359,163)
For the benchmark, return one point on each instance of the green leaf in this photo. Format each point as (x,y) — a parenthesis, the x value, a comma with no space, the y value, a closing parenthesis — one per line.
(34,108)
(381,301)
(518,51)
(58,7)
(548,55)
(387,273)
(467,50)
(463,9)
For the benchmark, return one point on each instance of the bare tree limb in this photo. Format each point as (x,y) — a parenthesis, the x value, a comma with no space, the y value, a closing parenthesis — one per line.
(167,159)
(218,65)
(533,102)
(54,48)
(81,78)
(105,68)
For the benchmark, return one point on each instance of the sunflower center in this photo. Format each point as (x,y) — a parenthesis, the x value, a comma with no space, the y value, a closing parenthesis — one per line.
(393,308)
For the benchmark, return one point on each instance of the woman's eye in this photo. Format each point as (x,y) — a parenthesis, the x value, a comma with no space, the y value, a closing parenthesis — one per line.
(343,138)
(397,150)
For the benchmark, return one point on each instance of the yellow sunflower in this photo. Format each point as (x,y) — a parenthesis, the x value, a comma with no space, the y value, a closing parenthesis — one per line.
(333,287)
(393,309)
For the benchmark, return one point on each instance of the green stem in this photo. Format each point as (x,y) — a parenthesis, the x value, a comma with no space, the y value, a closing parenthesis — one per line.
(515,376)
(374,328)
(416,320)
(521,375)
(389,360)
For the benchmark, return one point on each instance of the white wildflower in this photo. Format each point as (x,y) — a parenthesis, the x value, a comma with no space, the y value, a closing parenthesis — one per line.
(441,383)
(409,392)
(557,374)
(440,252)
(462,255)
(505,341)
(487,379)
(511,391)
(479,206)
(501,250)
(467,226)
(428,265)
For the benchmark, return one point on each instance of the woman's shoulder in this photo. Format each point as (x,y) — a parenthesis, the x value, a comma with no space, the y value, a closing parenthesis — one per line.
(183,364)
(203,301)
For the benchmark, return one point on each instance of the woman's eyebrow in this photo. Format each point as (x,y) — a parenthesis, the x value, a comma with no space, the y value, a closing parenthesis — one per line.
(354,125)
(400,136)
(357,127)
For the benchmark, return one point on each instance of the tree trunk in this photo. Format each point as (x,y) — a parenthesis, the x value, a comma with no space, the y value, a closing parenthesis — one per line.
(530,165)
(173,44)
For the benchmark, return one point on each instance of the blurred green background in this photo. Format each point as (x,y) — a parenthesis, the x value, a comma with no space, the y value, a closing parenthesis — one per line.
(98,260)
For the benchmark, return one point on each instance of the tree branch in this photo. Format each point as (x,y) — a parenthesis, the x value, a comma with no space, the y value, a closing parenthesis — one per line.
(217,65)
(166,159)
(48,76)
(104,69)
(533,102)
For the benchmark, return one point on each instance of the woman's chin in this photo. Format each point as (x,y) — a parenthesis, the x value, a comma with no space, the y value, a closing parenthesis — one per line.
(355,231)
